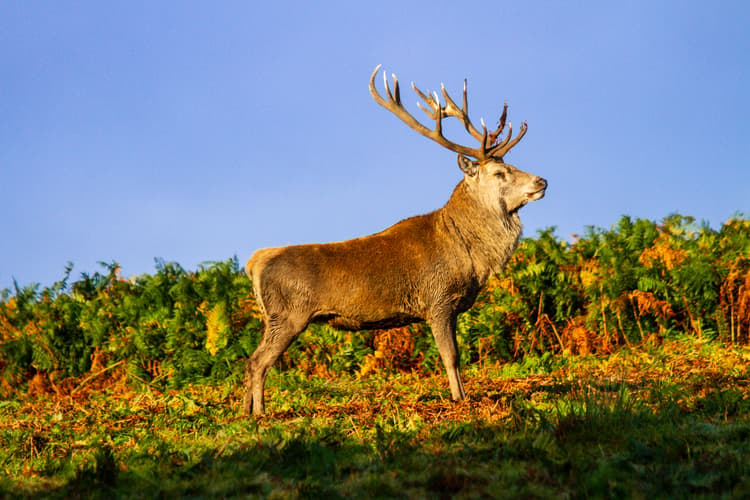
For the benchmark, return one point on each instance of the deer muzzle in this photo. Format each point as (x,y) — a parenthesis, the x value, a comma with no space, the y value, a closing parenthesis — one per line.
(540,185)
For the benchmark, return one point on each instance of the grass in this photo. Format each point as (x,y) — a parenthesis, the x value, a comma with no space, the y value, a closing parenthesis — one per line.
(653,421)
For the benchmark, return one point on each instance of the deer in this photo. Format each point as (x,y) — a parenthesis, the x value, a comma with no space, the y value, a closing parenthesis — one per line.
(429,267)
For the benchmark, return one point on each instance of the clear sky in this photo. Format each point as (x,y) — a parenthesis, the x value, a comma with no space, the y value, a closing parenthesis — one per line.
(195,131)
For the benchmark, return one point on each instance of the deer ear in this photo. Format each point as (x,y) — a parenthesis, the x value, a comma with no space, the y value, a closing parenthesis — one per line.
(468,166)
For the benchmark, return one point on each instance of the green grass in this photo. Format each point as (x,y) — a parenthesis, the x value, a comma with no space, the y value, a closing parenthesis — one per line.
(669,421)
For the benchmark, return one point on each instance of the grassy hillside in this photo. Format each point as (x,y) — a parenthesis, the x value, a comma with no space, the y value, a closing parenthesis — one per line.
(667,421)
(616,365)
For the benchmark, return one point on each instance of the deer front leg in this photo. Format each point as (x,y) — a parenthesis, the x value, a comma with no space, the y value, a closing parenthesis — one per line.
(444,331)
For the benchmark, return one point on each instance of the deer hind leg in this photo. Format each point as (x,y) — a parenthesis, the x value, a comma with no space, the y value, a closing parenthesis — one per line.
(277,336)
(444,331)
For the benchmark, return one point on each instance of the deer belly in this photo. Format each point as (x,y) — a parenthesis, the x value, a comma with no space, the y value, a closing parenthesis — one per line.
(350,323)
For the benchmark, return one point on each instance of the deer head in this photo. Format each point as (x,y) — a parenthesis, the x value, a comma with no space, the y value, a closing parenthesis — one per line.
(497,185)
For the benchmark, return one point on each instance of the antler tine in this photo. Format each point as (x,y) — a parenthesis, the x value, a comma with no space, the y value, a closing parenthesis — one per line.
(393,104)
(428,99)
(397,99)
(451,109)
(396,89)
(465,106)
(505,146)
(500,145)
(501,121)
(485,144)
(500,125)
(435,103)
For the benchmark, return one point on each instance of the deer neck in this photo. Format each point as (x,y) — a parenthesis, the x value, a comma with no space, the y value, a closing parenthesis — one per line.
(489,238)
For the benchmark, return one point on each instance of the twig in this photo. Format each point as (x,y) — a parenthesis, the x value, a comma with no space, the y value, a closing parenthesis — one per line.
(604,317)
(93,376)
(354,427)
(554,330)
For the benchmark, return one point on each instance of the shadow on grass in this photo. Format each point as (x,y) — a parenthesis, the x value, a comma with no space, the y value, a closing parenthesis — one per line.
(583,450)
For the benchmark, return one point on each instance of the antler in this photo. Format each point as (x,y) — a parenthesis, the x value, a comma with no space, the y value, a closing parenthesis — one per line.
(489,145)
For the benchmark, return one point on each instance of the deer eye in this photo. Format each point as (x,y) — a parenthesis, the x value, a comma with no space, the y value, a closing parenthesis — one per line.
(500,174)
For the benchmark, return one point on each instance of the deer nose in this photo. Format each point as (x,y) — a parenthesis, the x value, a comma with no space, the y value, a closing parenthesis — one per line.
(542,183)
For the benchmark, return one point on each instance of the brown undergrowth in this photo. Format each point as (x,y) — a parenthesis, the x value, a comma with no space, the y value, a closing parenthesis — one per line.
(491,388)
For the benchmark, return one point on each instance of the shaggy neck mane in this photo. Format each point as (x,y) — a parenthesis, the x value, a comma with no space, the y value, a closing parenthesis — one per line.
(489,238)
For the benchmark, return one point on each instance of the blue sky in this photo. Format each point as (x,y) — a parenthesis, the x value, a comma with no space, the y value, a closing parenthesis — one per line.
(196,131)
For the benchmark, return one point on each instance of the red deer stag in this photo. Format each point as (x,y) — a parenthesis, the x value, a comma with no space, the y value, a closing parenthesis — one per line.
(426,268)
